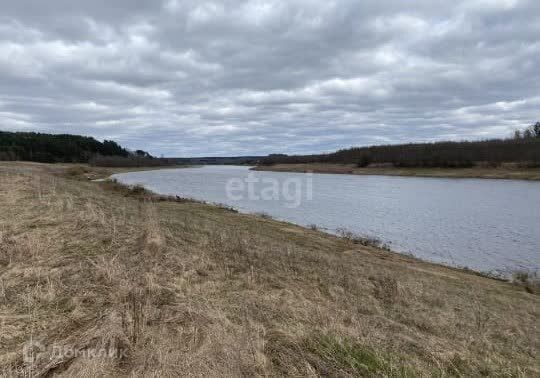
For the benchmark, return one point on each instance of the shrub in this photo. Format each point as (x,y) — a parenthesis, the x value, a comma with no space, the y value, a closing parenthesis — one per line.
(359,239)
(264,215)
(529,281)
(138,190)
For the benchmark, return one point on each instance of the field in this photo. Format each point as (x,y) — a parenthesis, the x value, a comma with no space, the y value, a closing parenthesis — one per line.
(168,286)
(476,172)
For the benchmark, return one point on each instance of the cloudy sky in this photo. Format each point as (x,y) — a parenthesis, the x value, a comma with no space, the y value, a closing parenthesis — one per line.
(233,77)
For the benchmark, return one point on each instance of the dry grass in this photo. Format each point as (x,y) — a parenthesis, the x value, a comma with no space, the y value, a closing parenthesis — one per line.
(505,172)
(170,288)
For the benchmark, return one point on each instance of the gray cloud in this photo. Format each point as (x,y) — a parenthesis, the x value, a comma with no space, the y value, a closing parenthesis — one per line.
(254,77)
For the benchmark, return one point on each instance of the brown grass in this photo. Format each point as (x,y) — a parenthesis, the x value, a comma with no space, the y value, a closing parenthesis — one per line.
(507,171)
(185,288)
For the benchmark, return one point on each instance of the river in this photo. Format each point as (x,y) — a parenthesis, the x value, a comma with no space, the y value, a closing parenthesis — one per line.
(485,225)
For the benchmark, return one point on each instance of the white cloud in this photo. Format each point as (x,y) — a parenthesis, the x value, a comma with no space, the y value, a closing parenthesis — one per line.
(259,76)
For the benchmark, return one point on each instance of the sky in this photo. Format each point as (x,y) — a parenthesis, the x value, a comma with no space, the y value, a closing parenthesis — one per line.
(253,77)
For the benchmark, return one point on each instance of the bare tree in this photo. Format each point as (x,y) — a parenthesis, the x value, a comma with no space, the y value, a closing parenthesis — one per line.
(536,129)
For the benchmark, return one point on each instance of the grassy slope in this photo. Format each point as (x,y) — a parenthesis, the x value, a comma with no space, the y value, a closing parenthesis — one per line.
(192,288)
(492,173)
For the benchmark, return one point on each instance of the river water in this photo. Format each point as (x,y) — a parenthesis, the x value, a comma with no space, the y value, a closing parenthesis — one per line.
(486,225)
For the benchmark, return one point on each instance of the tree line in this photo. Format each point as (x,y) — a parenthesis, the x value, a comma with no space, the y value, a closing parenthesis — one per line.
(524,148)
(64,148)
(55,148)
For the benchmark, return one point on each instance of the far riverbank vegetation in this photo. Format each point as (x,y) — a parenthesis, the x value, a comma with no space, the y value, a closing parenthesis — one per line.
(521,151)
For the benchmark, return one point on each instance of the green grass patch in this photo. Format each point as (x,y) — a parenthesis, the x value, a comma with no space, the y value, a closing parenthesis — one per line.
(333,356)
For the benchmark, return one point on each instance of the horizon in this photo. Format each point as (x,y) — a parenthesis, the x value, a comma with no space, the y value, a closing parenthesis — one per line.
(280,153)
(223,79)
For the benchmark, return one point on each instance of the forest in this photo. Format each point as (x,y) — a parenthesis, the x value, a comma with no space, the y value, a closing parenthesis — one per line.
(524,148)
(51,148)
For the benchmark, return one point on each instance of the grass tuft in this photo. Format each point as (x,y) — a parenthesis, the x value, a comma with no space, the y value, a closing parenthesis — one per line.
(338,356)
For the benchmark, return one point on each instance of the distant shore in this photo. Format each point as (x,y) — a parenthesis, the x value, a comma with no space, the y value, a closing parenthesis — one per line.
(351,169)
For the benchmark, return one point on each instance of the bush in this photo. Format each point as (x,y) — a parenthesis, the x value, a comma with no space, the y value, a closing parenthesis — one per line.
(138,190)
(264,215)
(360,239)
(529,281)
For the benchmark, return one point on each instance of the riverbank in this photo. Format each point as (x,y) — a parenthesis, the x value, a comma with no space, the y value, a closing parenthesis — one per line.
(79,171)
(475,172)
(171,285)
